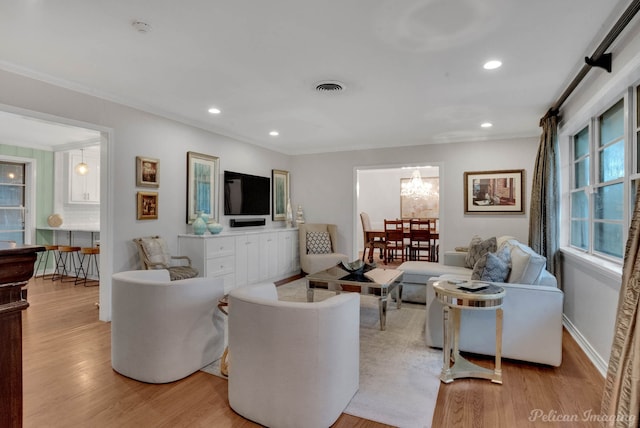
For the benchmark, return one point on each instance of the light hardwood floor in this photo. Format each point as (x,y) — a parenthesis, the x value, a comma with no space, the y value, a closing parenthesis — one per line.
(68,380)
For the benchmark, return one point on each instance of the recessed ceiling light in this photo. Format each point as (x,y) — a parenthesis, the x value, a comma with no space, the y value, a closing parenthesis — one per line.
(274,133)
(487,125)
(214,110)
(492,65)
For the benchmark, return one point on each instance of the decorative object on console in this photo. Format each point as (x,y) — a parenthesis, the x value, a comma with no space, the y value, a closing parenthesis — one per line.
(280,192)
(147,172)
(300,215)
(147,205)
(214,228)
(494,192)
(200,224)
(202,185)
(289,214)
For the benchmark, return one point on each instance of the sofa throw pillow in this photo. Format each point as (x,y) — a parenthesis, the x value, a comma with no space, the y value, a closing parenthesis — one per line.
(478,248)
(494,267)
(497,269)
(526,265)
(318,243)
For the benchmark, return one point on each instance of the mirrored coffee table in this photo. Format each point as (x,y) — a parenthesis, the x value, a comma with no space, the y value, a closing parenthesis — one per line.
(377,282)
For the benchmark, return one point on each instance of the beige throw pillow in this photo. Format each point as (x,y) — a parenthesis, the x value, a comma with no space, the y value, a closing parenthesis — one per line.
(526,264)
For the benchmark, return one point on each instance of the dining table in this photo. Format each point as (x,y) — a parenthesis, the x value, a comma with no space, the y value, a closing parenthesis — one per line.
(371,235)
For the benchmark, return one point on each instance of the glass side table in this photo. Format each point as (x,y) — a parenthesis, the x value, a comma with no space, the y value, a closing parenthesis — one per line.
(457,296)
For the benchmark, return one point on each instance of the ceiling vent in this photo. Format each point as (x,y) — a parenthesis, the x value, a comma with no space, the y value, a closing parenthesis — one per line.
(141,27)
(330,86)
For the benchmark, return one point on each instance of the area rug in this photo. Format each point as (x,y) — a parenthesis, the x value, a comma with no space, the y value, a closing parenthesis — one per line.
(399,374)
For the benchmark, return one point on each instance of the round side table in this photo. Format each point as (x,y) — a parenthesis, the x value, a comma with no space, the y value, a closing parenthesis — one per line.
(457,296)
(223,305)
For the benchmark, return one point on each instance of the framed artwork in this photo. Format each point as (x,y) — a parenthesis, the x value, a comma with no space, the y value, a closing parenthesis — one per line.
(147,205)
(147,172)
(280,194)
(203,178)
(424,206)
(492,192)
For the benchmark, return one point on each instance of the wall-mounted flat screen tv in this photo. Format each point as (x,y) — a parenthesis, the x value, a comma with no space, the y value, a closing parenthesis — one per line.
(246,194)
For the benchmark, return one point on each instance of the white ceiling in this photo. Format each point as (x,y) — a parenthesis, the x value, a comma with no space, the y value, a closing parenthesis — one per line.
(412,69)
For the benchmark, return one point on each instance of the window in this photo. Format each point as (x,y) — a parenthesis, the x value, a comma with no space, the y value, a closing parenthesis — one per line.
(12,202)
(598,182)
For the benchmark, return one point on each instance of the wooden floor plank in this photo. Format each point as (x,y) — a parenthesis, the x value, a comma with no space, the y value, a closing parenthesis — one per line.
(69,382)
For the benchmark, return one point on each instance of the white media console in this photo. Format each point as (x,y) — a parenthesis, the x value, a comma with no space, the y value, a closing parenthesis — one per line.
(245,256)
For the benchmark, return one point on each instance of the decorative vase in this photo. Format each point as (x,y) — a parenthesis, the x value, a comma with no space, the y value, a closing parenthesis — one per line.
(299,215)
(289,214)
(214,227)
(200,224)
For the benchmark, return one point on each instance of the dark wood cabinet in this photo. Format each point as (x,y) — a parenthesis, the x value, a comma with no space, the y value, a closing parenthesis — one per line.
(16,267)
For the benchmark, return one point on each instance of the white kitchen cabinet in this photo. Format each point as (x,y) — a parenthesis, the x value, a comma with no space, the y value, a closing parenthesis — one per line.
(243,258)
(84,189)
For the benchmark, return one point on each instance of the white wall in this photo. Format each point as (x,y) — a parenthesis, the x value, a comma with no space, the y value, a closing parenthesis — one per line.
(135,133)
(325,186)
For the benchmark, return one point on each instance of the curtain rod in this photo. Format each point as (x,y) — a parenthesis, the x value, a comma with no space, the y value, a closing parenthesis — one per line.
(611,36)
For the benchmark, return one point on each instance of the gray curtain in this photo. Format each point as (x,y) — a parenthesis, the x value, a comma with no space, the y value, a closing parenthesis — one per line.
(621,398)
(544,212)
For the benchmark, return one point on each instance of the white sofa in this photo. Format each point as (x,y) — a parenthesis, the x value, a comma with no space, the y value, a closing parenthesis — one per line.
(532,325)
(163,330)
(292,364)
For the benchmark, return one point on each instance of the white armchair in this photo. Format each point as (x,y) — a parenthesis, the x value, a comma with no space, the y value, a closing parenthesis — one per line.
(318,244)
(163,330)
(292,364)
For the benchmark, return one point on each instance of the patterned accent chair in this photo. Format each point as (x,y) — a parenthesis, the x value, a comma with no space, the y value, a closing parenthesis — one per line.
(318,243)
(154,254)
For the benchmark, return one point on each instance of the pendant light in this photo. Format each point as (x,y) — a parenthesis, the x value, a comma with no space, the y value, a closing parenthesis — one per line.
(82,168)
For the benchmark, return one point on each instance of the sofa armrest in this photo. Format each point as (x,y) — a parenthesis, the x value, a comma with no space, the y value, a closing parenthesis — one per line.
(455,258)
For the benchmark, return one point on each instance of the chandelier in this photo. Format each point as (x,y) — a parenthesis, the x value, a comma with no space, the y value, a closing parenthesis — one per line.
(416,188)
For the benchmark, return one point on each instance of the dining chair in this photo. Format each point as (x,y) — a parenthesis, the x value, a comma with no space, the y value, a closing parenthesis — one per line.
(394,239)
(420,239)
(371,240)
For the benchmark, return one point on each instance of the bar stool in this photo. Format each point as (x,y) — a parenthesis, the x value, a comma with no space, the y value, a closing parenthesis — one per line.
(91,253)
(65,261)
(48,249)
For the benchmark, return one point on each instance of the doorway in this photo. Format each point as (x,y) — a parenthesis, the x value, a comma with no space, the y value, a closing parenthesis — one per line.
(379,192)
(35,137)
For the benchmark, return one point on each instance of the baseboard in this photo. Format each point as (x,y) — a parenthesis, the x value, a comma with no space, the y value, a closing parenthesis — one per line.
(600,364)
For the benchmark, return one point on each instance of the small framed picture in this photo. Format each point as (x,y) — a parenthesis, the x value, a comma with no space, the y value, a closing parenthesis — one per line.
(147,205)
(147,172)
